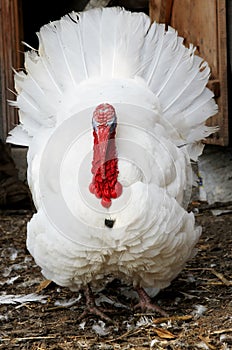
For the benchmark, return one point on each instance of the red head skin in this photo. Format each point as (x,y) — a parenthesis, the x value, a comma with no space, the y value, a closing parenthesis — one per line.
(105,162)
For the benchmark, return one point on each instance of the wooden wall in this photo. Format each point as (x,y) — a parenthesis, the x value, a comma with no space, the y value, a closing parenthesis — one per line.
(10,37)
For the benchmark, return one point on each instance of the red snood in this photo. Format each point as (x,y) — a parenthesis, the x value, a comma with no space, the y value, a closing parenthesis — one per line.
(105,172)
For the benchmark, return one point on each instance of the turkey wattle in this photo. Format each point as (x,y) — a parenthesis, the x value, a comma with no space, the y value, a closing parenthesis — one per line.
(111,203)
(105,165)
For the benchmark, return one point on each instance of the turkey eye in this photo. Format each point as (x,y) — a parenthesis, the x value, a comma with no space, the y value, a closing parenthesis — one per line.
(112,123)
(95,124)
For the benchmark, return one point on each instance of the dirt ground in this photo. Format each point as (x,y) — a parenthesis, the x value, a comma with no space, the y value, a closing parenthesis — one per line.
(199,301)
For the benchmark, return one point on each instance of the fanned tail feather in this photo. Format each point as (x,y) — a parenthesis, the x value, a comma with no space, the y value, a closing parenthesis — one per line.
(18,136)
(119,57)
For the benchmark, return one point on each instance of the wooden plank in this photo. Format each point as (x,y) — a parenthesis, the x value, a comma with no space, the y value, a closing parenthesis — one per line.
(222,118)
(9,58)
(203,23)
(195,21)
(160,10)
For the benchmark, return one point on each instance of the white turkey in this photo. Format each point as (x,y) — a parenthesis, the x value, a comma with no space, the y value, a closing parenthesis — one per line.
(113,110)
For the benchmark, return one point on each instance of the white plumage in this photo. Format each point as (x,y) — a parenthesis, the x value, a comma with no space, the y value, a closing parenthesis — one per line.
(158,89)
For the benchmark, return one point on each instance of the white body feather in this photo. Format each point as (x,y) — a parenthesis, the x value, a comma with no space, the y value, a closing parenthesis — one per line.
(158,88)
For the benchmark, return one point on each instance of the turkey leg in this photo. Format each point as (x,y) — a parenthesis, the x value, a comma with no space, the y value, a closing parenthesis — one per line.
(91,308)
(145,303)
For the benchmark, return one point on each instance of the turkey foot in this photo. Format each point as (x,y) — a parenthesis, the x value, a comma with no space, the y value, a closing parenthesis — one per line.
(91,308)
(145,303)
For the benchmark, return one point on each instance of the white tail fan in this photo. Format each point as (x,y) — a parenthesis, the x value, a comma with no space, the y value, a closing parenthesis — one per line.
(109,47)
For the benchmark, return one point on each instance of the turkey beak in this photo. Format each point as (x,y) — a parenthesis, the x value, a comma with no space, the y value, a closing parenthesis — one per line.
(103,139)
